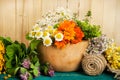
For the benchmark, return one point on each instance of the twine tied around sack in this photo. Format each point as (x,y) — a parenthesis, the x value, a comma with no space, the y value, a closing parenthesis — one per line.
(93,64)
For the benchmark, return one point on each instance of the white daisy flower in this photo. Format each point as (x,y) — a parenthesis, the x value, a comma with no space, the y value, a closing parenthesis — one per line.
(39,35)
(36,28)
(46,34)
(32,34)
(50,27)
(47,41)
(59,37)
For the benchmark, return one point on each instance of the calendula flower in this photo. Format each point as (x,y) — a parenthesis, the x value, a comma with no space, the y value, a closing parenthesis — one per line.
(32,34)
(39,35)
(36,28)
(1,65)
(2,52)
(47,41)
(59,37)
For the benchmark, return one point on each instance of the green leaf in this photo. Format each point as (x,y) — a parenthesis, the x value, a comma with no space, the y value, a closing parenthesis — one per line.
(7,41)
(23,47)
(6,58)
(37,64)
(56,26)
(27,37)
(30,77)
(45,70)
(35,72)
(16,42)
(11,71)
(90,31)
(16,70)
(34,59)
(8,64)
(34,44)
(10,50)
(23,70)
(32,66)
(34,52)
(88,14)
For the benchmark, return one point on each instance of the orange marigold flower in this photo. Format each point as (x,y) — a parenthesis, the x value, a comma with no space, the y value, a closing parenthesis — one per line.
(60,44)
(78,36)
(67,27)
(71,33)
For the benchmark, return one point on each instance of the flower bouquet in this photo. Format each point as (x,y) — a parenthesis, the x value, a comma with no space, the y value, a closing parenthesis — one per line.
(63,38)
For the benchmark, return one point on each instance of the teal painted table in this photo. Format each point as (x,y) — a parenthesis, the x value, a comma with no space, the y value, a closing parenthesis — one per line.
(72,76)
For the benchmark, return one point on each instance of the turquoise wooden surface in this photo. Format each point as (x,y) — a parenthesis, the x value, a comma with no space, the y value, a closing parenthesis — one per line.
(71,76)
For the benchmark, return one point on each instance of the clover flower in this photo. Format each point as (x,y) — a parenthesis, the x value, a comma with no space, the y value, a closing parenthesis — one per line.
(24,76)
(51,72)
(26,63)
(99,44)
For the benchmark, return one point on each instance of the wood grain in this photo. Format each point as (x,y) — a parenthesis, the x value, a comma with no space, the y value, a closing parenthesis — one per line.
(18,16)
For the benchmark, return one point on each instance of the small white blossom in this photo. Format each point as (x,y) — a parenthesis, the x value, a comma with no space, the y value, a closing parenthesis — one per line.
(32,34)
(36,28)
(39,35)
(59,37)
(47,41)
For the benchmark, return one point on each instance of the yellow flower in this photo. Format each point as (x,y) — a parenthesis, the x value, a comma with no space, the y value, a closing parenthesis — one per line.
(1,57)
(47,41)
(1,65)
(39,35)
(59,37)
(2,50)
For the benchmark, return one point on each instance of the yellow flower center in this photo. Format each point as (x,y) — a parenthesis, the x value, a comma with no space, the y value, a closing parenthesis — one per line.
(37,28)
(58,36)
(47,41)
(33,33)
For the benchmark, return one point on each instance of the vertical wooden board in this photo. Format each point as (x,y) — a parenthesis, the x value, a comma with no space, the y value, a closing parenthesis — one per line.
(84,7)
(18,19)
(37,9)
(97,12)
(28,19)
(62,3)
(73,5)
(9,18)
(48,5)
(109,17)
(1,17)
(117,23)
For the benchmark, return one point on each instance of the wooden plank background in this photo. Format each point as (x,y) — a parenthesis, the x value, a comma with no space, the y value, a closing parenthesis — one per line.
(18,16)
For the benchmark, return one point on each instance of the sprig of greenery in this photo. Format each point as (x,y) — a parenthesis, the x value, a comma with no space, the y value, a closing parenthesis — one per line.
(90,31)
(15,53)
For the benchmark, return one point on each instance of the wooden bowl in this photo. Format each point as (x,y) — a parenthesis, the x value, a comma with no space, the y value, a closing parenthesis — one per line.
(63,60)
